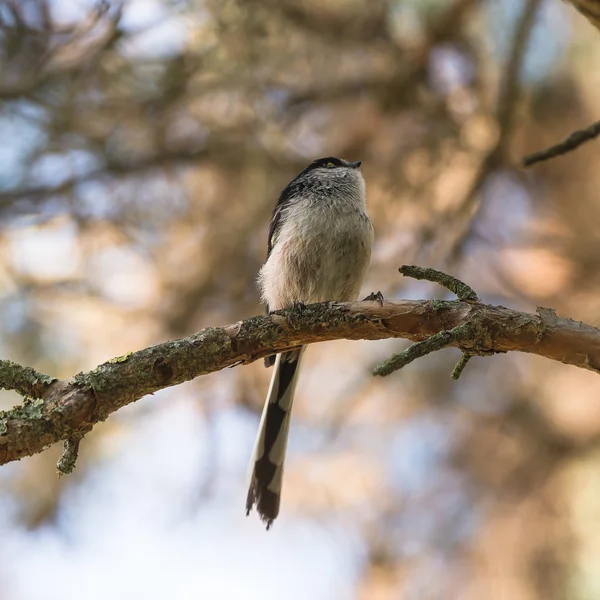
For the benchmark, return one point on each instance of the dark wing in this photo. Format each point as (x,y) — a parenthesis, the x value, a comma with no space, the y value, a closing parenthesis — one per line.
(291,190)
(275,224)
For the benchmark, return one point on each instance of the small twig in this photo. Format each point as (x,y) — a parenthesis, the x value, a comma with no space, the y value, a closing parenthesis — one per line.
(23,380)
(463,292)
(432,344)
(460,365)
(66,463)
(456,286)
(576,139)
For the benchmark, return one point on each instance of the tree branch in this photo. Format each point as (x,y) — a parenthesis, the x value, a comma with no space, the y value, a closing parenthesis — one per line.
(590,9)
(66,410)
(572,142)
(24,380)
(456,286)
(440,340)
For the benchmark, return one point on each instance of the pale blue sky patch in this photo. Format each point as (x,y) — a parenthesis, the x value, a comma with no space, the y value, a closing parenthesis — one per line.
(69,12)
(548,41)
(53,169)
(119,534)
(166,38)
(19,138)
(506,209)
(450,69)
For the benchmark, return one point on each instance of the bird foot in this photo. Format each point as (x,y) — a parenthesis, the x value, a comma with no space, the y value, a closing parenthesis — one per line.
(299,307)
(375,297)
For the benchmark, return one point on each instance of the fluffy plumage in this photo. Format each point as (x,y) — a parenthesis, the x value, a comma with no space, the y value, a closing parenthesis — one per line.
(319,248)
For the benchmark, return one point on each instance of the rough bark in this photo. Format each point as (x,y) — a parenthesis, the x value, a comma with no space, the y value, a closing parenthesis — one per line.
(65,410)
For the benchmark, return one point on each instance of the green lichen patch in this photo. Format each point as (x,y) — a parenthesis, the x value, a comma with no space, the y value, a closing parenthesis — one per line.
(24,380)
(438,304)
(120,359)
(30,409)
(44,379)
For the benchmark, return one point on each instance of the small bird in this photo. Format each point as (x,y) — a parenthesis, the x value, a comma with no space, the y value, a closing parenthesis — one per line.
(319,247)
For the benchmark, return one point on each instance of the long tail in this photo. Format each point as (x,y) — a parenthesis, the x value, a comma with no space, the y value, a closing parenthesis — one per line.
(271,442)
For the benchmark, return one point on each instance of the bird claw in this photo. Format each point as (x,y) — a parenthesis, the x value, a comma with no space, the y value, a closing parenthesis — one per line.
(299,307)
(375,297)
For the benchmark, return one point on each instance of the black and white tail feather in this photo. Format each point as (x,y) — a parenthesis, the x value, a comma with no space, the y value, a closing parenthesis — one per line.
(269,451)
(319,247)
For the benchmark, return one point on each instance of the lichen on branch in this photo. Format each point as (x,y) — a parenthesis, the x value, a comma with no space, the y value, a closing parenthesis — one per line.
(56,411)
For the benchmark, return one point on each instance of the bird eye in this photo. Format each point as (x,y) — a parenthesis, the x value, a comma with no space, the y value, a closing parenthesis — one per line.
(330,165)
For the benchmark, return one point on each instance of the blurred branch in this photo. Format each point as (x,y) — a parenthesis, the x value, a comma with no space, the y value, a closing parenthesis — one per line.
(218,148)
(66,410)
(567,145)
(396,87)
(347,25)
(590,9)
(510,91)
(59,51)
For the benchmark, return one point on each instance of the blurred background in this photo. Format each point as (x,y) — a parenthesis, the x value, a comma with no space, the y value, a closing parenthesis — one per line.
(142,148)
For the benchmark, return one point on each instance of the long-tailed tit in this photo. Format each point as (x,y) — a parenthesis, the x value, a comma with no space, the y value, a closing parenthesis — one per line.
(319,247)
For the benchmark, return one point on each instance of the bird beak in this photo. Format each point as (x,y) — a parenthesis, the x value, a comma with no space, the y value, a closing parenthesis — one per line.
(355,165)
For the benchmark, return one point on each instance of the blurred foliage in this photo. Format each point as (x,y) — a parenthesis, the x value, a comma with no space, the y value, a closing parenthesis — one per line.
(143,146)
